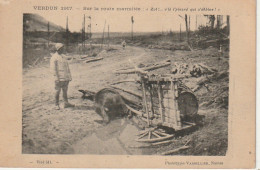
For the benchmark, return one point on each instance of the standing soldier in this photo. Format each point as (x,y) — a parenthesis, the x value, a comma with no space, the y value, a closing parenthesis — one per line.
(61,72)
(123,44)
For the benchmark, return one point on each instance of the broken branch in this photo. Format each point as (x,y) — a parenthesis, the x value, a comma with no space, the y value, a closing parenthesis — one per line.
(175,150)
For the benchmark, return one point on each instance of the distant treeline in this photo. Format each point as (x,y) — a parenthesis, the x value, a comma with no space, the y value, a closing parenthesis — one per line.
(54,36)
(76,37)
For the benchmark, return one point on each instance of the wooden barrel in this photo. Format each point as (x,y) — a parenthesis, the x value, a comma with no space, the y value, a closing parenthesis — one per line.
(187,105)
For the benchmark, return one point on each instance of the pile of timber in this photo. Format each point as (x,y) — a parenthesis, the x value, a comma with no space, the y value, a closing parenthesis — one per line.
(193,70)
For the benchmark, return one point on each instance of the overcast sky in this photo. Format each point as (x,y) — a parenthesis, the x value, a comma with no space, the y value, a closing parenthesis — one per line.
(150,22)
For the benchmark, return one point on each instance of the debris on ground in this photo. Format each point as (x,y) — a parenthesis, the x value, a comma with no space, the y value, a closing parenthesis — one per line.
(93,59)
(72,130)
(194,70)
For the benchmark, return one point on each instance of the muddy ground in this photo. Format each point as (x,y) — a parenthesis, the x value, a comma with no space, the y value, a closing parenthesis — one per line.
(75,131)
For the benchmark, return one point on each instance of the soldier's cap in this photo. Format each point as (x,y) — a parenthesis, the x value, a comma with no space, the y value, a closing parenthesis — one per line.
(58,46)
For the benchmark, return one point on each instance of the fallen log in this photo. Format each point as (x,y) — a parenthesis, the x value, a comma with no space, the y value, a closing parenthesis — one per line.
(94,59)
(133,71)
(175,150)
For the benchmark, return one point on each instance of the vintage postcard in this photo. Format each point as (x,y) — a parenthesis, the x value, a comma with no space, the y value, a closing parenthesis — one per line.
(127,84)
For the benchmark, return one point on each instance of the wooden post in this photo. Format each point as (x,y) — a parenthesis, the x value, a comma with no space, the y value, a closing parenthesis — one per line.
(67,34)
(180,32)
(166,105)
(212,19)
(108,36)
(145,102)
(228,24)
(189,25)
(48,34)
(151,99)
(83,35)
(178,117)
(103,35)
(187,28)
(172,105)
(132,19)
(132,32)
(160,101)
(218,22)
(90,34)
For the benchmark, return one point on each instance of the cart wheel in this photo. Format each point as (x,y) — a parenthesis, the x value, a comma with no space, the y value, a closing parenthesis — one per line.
(151,135)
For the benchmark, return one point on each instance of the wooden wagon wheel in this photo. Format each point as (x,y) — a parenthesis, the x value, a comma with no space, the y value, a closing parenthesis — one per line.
(153,135)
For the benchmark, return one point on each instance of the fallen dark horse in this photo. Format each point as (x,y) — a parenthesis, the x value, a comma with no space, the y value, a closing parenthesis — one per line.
(108,103)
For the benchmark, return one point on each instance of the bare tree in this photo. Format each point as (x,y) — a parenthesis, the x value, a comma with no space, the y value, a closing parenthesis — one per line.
(83,35)
(67,34)
(228,24)
(187,28)
(108,38)
(48,29)
(189,23)
(218,21)
(180,32)
(211,20)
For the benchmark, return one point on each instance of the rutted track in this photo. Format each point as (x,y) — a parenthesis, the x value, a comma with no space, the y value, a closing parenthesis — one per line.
(73,130)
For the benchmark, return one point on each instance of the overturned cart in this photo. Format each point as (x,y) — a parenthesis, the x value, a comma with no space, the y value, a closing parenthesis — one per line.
(166,102)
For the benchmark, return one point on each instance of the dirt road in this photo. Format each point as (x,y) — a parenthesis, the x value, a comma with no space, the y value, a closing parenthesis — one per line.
(46,130)
(73,130)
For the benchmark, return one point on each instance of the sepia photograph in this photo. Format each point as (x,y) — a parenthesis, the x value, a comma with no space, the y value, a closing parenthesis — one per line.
(126,85)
